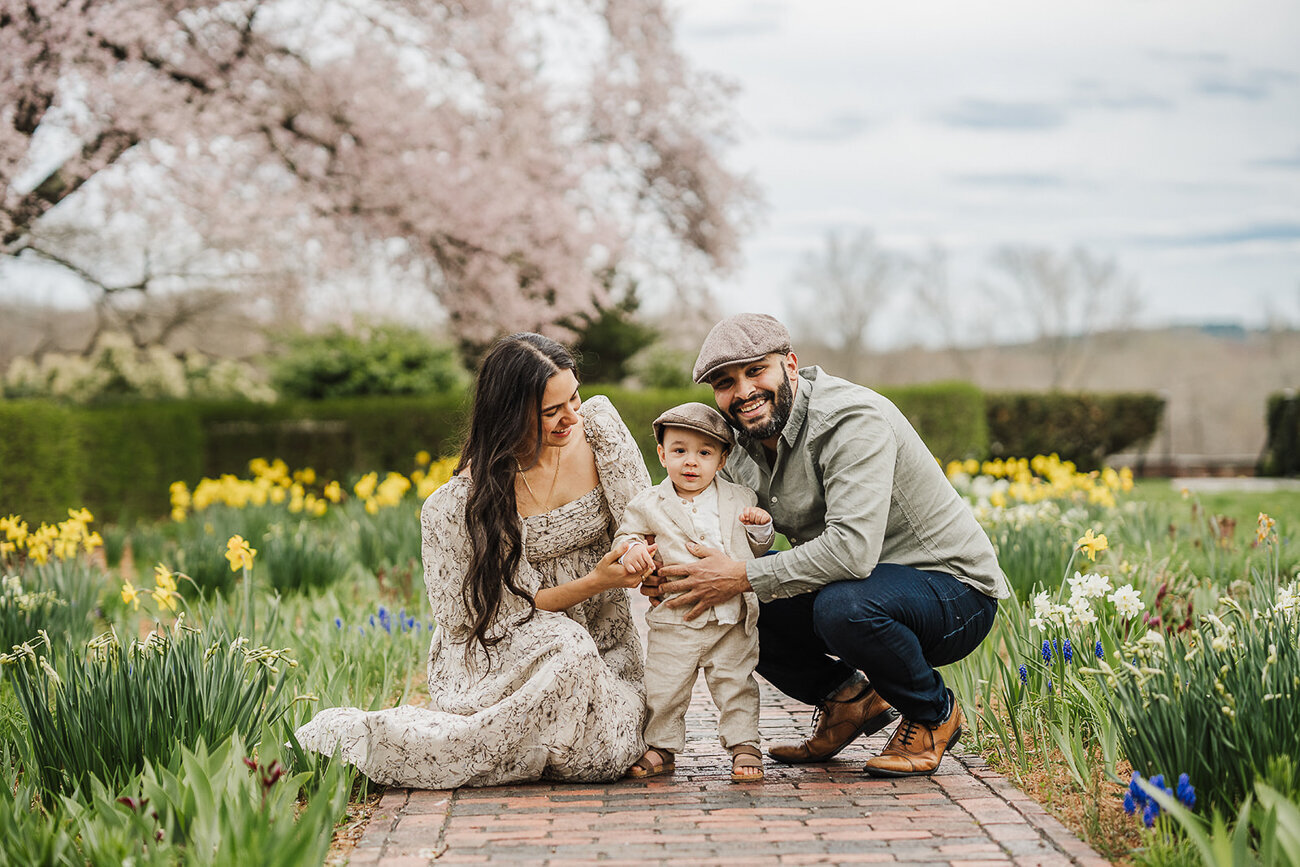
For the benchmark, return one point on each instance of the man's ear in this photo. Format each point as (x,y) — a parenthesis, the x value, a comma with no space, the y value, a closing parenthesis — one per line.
(791,365)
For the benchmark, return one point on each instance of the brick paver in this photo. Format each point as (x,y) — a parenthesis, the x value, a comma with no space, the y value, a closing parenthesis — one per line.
(964,816)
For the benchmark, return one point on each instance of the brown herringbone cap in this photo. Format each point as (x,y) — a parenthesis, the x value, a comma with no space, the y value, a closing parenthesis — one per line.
(740,339)
(697,417)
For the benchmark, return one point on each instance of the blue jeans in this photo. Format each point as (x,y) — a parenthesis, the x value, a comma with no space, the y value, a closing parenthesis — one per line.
(894,626)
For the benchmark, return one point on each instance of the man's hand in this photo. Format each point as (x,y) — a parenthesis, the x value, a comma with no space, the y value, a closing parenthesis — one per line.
(711,580)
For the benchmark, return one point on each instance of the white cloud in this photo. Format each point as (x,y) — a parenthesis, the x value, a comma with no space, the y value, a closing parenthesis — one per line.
(1107,124)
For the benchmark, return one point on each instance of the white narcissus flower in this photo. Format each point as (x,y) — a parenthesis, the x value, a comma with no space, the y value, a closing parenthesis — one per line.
(1288,600)
(1097,586)
(1081,613)
(1038,623)
(1077,584)
(1221,642)
(1042,604)
(1127,601)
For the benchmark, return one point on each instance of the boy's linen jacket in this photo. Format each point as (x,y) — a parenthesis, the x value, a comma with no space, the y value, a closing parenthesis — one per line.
(660,512)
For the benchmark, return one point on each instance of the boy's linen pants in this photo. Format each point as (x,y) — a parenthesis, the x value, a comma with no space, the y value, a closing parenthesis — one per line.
(674,655)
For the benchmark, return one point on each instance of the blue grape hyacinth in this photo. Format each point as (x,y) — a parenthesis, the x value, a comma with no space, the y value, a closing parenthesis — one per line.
(1024,674)
(1047,651)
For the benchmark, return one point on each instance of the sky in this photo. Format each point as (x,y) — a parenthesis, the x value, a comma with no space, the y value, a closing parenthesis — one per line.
(1163,133)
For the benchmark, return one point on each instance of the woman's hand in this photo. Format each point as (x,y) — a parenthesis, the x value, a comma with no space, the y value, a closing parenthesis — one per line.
(609,573)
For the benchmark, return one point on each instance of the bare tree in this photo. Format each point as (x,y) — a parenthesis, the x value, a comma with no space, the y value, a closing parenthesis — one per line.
(1063,300)
(838,291)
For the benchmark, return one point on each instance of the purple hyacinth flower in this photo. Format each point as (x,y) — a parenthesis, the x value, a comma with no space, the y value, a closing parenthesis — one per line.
(1130,806)
(1098,651)
(1136,790)
(1024,674)
(1047,651)
(1186,794)
(1149,814)
(1067,651)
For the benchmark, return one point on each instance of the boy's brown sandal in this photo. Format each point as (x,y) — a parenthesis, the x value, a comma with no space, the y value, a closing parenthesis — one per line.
(745,756)
(836,724)
(915,749)
(645,767)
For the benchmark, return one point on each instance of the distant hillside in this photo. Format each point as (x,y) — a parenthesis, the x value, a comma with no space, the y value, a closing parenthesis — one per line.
(1215,379)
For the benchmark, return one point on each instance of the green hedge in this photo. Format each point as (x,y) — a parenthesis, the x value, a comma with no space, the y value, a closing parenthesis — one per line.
(119,461)
(1282,453)
(42,464)
(1081,427)
(337,438)
(133,453)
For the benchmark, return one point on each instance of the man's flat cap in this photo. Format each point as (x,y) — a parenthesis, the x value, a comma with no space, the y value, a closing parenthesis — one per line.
(740,339)
(697,417)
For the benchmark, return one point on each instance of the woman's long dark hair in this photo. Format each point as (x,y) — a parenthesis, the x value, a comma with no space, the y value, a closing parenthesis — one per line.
(506,415)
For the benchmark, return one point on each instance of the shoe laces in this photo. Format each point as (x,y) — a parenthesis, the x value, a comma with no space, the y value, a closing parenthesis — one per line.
(906,730)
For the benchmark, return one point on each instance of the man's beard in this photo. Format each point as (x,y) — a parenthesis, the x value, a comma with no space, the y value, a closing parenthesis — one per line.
(781,402)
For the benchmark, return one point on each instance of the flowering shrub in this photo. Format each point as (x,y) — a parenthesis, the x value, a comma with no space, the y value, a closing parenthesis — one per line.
(117,368)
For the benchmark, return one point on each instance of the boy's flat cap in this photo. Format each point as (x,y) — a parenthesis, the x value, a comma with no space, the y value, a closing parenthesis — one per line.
(697,417)
(738,340)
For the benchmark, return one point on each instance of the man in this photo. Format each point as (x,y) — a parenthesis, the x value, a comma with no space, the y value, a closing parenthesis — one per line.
(889,574)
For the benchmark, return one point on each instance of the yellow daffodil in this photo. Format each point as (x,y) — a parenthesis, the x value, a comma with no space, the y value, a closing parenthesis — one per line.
(333,492)
(130,594)
(1263,528)
(164,598)
(1092,545)
(164,578)
(365,486)
(239,553)
(422,457)
(92,541)
(81,516)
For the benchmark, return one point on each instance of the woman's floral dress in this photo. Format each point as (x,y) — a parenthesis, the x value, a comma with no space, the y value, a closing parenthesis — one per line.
(560,697)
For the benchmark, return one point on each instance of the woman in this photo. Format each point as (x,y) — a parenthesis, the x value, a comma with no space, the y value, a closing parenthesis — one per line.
(535,669)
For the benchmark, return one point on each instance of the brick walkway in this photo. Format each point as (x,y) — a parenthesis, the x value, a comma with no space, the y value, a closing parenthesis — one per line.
(963,816)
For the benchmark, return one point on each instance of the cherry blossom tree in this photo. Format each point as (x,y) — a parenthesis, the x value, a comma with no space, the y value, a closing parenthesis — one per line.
(507,150)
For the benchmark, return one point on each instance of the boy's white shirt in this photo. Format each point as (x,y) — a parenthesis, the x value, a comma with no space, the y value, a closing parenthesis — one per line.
(674,521)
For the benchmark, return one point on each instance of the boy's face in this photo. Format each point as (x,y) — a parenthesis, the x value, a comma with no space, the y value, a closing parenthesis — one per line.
(691,459)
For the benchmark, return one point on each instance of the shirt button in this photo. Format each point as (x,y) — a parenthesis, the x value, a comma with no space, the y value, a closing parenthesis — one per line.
(774,499)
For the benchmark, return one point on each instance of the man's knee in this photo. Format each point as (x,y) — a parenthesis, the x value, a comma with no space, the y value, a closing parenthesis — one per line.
(843,606)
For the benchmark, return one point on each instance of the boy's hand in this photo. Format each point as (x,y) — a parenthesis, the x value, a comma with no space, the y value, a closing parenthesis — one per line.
(754,515)
(639,559)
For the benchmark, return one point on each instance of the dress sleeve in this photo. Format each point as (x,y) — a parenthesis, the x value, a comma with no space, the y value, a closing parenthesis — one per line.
(618,459)
(446,551)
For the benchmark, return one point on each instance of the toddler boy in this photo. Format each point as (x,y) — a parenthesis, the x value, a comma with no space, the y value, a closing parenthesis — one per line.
(691,505)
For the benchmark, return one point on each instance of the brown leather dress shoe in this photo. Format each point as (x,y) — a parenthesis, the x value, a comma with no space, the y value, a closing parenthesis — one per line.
(836,725)
(915,748)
